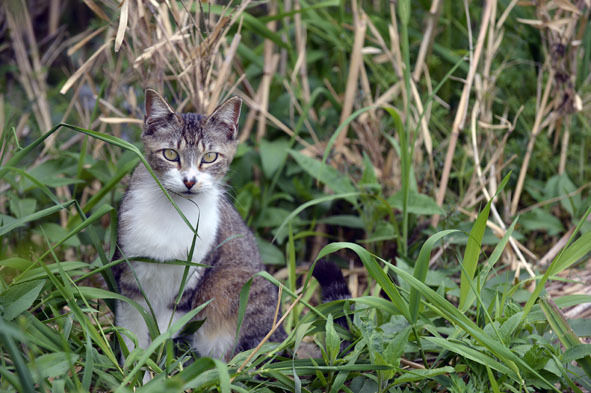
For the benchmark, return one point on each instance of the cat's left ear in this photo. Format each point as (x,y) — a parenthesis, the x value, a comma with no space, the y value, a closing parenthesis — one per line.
(156,105)
(226,116)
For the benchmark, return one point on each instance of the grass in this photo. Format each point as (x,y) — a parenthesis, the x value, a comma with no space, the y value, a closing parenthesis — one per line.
(438,151)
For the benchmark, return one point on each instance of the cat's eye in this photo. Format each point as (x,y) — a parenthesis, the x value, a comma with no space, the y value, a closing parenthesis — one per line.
(170,154)
(210,157)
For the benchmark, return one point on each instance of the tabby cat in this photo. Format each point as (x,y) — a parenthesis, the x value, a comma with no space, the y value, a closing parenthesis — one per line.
(190,154)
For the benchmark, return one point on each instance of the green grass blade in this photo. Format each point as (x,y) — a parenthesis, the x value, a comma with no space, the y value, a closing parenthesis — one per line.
(24,374)
(472,252)
(562,329)
(420,270)
(374,271)
(569,255)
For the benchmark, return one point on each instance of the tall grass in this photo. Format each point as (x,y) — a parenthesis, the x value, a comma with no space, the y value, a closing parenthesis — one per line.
(438,151)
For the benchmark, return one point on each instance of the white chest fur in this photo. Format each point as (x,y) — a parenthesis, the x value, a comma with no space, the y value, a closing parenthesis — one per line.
(151,227)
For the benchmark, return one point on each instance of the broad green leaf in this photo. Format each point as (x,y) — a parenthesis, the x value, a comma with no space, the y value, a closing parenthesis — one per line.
(53,364)
(368,178)
(56,232)
(32,217)
(313,202)
(576,352)
(19,297)
(414,375)
(395,348)
(349,221)
(420,204)
(273,155)
(22,207)
(270,254)
(541,220)
(324,173)
(17,263)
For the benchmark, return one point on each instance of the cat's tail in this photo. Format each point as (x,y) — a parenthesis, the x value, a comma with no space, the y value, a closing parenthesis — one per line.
(332,284)
(331,280)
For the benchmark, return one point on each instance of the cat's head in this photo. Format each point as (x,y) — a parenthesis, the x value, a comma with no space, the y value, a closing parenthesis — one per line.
(189,152)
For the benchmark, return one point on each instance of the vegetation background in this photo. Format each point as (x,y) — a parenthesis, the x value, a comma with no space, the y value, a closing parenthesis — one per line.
(439,151)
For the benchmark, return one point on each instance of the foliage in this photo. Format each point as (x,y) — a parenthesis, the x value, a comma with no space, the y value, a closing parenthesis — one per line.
(349,152)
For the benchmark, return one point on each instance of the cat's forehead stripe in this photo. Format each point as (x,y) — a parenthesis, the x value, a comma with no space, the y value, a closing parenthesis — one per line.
(192,128)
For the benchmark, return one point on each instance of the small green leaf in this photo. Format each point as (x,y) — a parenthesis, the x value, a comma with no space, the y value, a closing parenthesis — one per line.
(332,340)
(421,374)
(270,254)
(325,174)
(273,155)
(577,352)
(420,204)
(19,297)
(53,364)
(22,207)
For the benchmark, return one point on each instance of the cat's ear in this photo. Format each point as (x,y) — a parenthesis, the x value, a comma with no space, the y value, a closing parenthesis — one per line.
(226,116)
(156,106)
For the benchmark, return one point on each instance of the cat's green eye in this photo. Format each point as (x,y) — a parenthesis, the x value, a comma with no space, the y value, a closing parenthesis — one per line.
(210,157)
(170,154)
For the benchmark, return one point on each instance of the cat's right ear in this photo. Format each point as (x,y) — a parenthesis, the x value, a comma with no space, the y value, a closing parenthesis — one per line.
(156,105)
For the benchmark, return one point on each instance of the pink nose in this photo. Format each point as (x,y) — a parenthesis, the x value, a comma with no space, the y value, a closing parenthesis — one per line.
(189,183)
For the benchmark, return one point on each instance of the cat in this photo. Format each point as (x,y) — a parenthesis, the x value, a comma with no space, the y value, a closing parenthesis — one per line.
(190,154)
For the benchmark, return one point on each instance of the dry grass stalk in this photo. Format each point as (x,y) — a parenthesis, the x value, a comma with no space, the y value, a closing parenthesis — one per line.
(355,62)
(556,248)
(562,25)
(85,68)
(462,108)
(300,36)
(122,24)
(487,195)
(428,36)
(530,146)
(32,72)
(271,60)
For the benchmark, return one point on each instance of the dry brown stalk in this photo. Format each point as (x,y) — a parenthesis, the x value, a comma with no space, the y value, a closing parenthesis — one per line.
(97,10)
(300,36)
(271,60)
(428,35)
(462,108)
(556,248)
(355,62)
(84,68)
(122,24)
(530,146)
(487,195)
(32,73)
(224,73)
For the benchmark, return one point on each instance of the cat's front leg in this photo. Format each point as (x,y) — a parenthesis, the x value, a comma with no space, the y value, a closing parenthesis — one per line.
(129,318)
